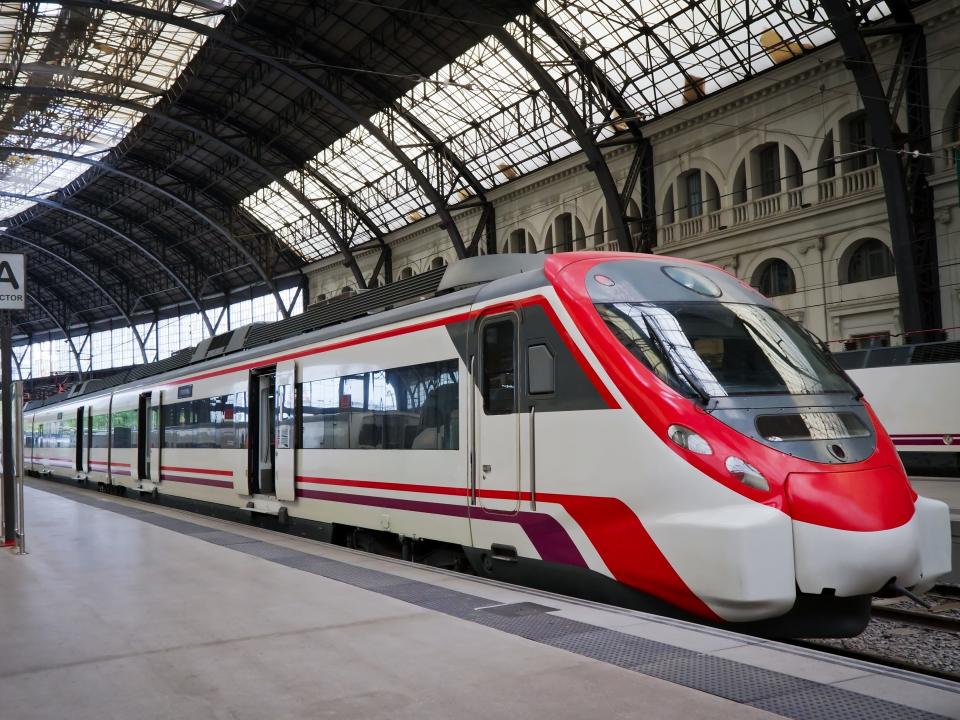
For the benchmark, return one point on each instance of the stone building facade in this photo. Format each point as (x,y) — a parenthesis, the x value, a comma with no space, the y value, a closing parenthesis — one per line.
(773,179)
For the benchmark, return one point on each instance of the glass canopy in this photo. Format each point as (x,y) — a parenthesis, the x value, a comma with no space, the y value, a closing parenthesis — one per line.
(71,74)
(74,70)
(487,110)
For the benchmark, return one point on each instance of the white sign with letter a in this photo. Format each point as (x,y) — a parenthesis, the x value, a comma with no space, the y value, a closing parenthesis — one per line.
(13,282)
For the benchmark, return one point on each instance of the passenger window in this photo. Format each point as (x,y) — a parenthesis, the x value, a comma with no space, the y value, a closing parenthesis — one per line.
(499,367)
(408,408)
(541,379)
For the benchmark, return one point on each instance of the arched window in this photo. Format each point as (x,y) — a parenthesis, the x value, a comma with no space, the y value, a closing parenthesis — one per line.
(699,194)
(766,170)
(566,234)
(406,273)
(856,142)
(775,277)
(869,260)
(347,290)
(599,231)
(953,118)
(740,184)
(826,165)
(437,262)
(794,174)
(519,241)
(668,207)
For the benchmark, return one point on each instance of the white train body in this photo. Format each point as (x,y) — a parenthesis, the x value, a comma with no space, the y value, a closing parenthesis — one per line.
(919,405)
(507,420)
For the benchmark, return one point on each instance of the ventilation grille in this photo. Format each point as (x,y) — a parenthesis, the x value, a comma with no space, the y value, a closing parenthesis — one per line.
(349,307)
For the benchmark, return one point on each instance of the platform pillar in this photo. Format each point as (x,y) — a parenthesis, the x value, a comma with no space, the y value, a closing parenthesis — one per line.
(6,418)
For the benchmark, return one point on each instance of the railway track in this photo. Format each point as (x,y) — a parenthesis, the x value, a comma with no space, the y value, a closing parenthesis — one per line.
(925,619)
(877,658)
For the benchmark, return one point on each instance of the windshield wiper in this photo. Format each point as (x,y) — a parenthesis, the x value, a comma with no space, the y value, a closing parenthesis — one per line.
(678,367)
(779,351)
(832,359)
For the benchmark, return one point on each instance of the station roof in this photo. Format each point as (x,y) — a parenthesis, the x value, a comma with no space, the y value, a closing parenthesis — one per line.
(155,156)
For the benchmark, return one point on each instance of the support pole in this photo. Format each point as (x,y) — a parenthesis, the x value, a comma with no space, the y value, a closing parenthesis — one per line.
(903,232)
(6,417)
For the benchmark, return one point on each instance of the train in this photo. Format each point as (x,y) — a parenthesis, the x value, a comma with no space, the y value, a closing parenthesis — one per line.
(636,429)
(915,393)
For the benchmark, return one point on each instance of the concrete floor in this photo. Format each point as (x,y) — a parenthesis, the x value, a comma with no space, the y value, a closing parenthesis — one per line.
(110,617)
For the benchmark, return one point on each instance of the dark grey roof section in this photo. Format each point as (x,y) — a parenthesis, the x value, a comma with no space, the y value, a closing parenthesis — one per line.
(364,311)
(936,352)
(344,308)
(484,269)
(223,344)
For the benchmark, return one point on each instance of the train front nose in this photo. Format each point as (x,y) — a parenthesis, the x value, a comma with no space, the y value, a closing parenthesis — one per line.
(854,531)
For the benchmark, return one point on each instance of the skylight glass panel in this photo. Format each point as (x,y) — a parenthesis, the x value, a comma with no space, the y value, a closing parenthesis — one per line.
(122,56)
(490,114)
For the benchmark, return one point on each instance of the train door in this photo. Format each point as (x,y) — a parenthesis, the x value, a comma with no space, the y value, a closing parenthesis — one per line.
(81,438)
(262,449)
(89,444)
(149,433)
(284,410)
(497,420)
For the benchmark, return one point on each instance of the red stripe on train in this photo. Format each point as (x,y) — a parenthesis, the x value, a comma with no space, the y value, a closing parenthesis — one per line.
(612,527)
(539,300)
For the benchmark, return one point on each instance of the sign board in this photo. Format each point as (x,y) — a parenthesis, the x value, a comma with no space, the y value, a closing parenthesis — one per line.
(13,282)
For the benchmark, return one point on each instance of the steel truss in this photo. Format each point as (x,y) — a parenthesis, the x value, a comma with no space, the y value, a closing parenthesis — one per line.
(909,199)
(109,295)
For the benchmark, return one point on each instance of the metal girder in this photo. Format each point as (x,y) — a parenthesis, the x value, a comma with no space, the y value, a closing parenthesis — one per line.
(367,87)
(125,238)
(187,127)
(595,159)
(71,250)
(642,166)
(423,130)
(61,327)
(215,34)
(308,168)
(334,232)
(93,281)
(915,314)
(384,262)
(911,68)
(108,168)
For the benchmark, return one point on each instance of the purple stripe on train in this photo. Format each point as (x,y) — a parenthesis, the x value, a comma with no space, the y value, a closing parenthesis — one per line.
(198,481)
(547,535)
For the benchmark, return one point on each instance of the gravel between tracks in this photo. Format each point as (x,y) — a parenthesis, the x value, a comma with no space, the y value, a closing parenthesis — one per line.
(935,649)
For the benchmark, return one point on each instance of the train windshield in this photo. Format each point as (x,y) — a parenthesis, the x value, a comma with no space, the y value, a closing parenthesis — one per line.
(714,349)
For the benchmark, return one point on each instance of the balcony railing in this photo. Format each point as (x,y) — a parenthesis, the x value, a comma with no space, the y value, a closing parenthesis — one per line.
(770,206)
(859,181)
(609,246)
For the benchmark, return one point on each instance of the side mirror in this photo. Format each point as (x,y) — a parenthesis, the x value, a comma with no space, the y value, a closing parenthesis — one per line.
(541,371)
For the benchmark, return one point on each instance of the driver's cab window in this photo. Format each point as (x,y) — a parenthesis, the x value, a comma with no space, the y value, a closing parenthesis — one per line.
(499,367)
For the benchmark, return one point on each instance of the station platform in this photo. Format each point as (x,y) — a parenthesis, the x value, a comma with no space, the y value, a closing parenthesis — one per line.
(128,610)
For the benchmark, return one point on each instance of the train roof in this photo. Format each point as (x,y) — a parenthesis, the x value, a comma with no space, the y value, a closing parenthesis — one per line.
(433,291)
(462,283)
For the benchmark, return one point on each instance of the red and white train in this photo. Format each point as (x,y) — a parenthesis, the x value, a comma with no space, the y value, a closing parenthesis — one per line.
(638,429)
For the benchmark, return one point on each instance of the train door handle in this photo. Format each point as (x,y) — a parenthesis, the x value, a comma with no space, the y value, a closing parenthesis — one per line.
(487,468)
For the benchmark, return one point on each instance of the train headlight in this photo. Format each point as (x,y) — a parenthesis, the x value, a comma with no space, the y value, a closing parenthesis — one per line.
(689,440)
(746,473)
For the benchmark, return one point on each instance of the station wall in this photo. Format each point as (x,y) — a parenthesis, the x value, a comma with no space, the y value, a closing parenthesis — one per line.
(776,170)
